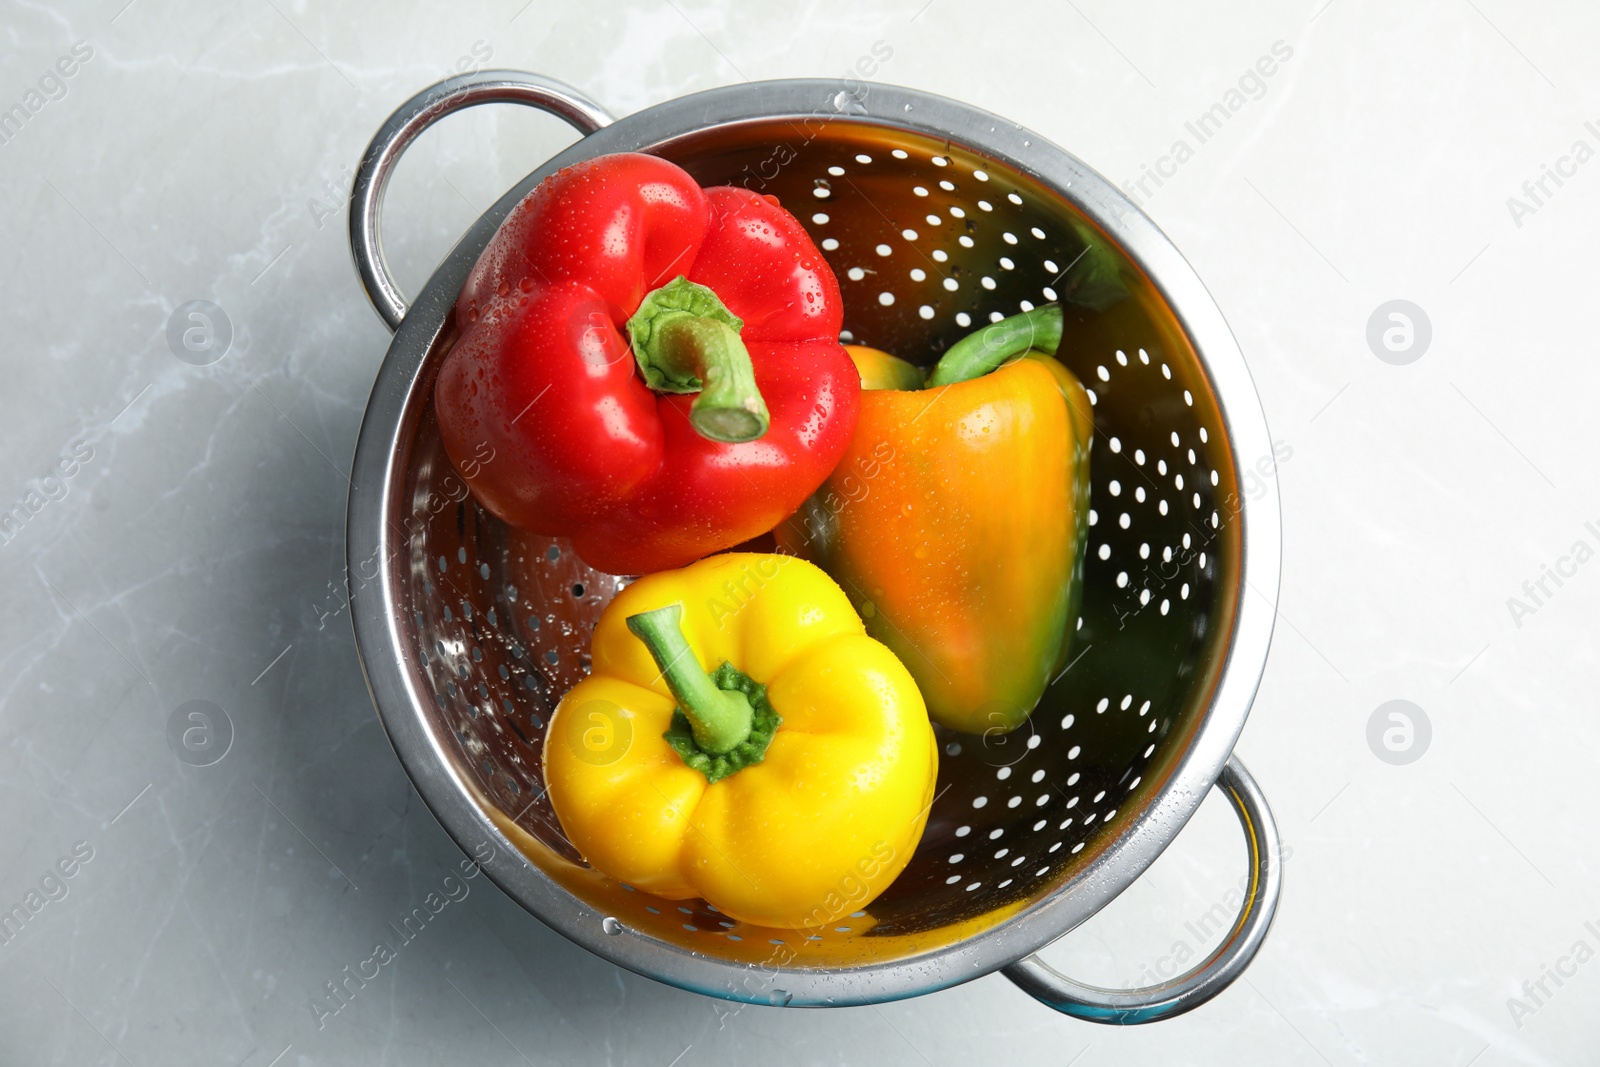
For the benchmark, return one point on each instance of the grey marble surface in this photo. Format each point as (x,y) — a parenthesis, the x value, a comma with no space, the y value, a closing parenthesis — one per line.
(176,529)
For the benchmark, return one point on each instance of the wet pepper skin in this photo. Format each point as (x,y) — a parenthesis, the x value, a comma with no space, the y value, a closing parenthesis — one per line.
(542,372)
(822,824)
(955,522)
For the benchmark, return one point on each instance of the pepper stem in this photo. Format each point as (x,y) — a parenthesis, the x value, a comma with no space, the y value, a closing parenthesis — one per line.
(686,340)
(979,353)
(720,719)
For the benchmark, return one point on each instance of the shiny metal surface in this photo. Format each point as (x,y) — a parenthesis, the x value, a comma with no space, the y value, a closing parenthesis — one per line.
(407,124)
(1211,975)
(936,217)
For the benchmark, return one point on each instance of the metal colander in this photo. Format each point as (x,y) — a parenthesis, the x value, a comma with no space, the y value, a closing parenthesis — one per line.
(936,218)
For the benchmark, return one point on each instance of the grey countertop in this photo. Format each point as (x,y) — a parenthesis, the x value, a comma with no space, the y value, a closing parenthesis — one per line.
(173,527)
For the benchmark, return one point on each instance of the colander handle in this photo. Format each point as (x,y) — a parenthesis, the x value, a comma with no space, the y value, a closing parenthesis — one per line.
(409,120)
(1123,1007)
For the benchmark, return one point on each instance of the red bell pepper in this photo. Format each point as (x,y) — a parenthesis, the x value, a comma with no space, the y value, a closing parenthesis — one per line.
(648,459)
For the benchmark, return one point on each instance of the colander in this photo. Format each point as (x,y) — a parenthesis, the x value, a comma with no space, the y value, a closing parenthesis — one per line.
(937,218)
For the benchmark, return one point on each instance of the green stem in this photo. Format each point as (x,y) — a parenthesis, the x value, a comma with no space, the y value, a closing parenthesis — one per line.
(979,353)
(729,407)
(686,340)
(720,719)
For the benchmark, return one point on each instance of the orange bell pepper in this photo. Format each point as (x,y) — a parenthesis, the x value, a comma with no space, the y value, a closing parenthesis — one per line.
(956,520)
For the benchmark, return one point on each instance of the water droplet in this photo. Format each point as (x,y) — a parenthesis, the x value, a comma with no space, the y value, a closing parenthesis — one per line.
(779,998)
(611,925)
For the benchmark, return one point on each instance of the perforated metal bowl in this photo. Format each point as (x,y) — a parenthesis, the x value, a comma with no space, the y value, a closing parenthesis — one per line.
(936,217)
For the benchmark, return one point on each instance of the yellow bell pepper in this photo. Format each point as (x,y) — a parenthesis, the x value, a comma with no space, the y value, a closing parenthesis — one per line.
(741,739)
